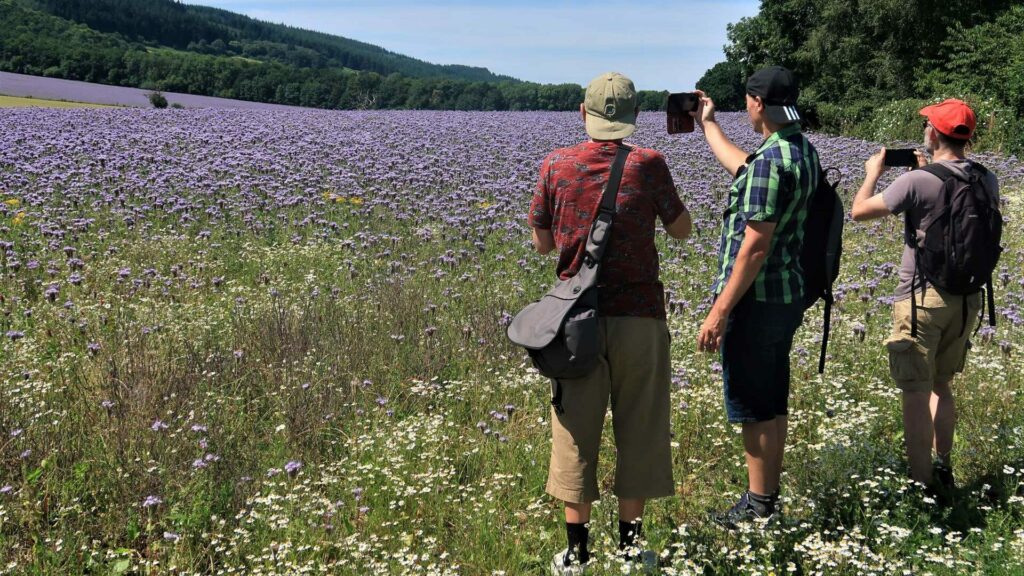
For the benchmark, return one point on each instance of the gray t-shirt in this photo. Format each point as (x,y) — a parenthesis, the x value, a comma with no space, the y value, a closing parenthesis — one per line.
(918,191)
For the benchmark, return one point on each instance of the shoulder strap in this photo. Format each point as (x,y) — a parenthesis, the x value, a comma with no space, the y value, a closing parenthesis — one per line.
(611,189)
(939,170)
(602,224)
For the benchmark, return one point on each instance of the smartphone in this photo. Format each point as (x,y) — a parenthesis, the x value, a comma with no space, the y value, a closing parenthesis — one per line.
(901,157)
(678,110)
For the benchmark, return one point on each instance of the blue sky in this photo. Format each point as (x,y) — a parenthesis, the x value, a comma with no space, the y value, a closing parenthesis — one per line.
(661,45)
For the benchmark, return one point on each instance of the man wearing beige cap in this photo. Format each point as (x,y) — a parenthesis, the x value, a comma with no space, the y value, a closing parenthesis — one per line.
(932,320)
(633,372)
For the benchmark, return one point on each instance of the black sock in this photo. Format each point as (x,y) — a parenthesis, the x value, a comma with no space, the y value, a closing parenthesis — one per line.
(763,505)
(578,534)
(629,533)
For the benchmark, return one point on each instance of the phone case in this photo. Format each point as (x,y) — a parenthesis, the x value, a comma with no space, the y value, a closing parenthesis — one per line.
(900,157)
(680,123)
(679,119)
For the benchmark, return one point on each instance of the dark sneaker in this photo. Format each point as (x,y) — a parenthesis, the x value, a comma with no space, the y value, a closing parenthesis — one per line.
(942,475)
(743,511)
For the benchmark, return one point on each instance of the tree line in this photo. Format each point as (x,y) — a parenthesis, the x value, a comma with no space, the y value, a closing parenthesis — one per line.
(214,31)
(36,42)
(865,67)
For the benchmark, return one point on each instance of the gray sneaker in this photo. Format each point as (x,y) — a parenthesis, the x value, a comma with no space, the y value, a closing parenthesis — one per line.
(743,511)
(646,563)
(558,567)
(635,561)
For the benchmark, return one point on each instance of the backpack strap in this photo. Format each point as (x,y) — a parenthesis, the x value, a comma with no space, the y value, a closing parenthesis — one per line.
(943,172)
(963,315)
(913,298)
(991,303)
(827,295)
(829,299)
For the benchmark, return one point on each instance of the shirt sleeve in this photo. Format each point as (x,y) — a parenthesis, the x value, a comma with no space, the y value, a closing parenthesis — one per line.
(761,201)
(899,196)
(659,181)
(540,213)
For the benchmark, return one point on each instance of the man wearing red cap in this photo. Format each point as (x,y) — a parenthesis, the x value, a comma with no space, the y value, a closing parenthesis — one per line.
(929,341)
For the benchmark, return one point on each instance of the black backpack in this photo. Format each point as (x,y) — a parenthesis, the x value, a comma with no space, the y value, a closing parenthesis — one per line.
(962,233)
(822,249)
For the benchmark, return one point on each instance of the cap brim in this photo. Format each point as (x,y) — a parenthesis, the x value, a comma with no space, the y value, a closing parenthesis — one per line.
(600,129)
(782,114)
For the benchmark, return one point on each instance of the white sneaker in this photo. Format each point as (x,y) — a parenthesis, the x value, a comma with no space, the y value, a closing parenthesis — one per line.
(558,567)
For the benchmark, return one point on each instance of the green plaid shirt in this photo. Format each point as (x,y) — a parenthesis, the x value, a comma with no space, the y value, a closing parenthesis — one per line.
(774,186)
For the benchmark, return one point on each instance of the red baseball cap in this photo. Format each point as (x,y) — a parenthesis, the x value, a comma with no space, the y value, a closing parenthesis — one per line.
(952,117)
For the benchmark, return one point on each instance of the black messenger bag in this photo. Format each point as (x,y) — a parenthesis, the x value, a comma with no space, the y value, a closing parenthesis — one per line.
(560,331)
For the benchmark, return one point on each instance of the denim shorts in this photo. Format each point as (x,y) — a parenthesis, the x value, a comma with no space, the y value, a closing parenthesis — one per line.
(755,358)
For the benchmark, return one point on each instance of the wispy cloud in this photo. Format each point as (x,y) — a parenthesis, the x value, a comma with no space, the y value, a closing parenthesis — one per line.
(661,45)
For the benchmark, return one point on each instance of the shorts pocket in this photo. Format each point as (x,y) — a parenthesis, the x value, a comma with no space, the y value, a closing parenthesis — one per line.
(963,357)
(908,360)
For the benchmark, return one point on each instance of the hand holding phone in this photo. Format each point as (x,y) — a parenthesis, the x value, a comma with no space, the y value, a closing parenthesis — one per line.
(678,111)
(901,157)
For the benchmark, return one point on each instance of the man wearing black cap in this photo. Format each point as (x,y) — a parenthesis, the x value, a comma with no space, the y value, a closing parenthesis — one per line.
(759,287)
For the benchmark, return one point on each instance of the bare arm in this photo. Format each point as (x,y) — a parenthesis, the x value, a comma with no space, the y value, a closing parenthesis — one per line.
(866,205)
(757,241)
(543,240)
(729,155)
(680,227)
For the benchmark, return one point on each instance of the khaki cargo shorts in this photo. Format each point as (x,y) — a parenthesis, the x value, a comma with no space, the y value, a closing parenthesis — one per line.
(939,351)
(634,375)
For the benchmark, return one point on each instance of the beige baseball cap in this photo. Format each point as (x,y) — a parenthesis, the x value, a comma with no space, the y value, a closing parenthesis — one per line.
(611,107)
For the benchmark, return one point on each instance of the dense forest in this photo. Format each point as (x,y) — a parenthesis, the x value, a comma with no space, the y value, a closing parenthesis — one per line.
(866,66)
(165,45)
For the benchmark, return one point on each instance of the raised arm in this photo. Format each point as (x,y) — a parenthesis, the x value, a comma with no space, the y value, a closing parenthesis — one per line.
(729,155)
(866,204)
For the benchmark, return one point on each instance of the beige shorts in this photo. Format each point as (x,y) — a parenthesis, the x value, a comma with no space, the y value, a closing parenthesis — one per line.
(634,374)
(940,349)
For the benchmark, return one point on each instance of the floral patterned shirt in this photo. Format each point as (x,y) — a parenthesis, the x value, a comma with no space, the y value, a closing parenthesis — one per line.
(566,201)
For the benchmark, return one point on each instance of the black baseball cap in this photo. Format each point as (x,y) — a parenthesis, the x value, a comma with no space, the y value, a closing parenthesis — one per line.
(778,88)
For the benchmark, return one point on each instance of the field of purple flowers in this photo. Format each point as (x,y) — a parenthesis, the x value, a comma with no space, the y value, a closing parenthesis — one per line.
(263,342)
